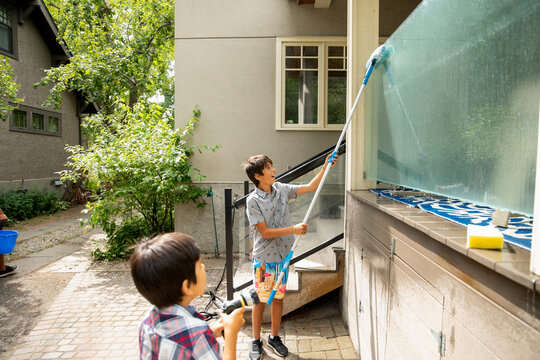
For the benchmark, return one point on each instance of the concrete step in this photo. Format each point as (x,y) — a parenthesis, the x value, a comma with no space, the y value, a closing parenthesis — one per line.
(305,286)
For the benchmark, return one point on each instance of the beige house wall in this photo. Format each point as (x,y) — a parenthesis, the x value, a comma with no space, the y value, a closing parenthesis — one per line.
(30,160)
(226,64)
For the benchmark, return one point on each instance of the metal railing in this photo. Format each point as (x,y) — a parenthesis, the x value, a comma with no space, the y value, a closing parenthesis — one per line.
(327,216)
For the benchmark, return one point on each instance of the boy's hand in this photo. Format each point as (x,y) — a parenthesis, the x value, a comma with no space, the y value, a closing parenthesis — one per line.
(300,229)
(234,321)
(217,328)
(334,161)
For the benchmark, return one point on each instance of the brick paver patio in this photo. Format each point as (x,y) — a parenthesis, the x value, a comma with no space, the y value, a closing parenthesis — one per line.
(97,317)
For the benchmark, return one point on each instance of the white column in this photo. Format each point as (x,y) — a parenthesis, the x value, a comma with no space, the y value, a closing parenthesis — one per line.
(362,39)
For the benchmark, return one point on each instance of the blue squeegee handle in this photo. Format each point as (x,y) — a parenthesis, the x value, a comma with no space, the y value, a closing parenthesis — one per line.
(287,260)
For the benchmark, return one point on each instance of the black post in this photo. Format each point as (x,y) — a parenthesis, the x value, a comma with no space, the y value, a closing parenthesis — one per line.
(229,243)
(246,187)
(247,239)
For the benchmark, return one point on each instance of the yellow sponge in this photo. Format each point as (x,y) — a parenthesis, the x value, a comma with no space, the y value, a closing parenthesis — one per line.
(484,237)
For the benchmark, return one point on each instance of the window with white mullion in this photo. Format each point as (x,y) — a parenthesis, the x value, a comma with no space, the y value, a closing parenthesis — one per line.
(301,84)
(336,75)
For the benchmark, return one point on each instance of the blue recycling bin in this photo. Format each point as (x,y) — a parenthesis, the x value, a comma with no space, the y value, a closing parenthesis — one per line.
(8,238)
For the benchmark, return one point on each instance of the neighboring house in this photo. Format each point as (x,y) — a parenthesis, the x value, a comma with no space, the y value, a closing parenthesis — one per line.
(412,289)
(32,141)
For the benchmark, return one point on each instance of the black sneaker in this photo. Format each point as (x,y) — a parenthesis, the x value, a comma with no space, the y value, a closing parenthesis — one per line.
(9,270)
(277,345)
(256,350)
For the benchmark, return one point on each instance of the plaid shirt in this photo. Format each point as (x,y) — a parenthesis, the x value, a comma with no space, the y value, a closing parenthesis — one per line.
(176,332)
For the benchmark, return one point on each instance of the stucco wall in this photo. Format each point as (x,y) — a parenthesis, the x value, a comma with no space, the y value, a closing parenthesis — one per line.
(35,157)
(226,64)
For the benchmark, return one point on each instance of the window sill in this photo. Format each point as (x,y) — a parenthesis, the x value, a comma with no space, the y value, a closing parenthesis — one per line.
(35,132)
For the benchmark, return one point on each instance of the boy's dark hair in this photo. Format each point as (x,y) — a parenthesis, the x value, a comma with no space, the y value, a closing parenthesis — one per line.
(160,265)
(255,165)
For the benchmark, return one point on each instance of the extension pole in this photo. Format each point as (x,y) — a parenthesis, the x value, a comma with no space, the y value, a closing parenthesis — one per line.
(286,262)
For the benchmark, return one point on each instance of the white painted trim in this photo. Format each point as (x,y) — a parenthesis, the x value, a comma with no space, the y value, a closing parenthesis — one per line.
(535,245)
(322,42)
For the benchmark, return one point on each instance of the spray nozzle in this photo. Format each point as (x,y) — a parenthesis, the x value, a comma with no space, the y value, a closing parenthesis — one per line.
(247,297)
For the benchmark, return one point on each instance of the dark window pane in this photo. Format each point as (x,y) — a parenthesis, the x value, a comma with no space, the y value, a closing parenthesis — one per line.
(38,121)
(311,51)
(311,64)
(19,118)
(292,63)
(5,38)
(5,17)
(292,50)
(310,88)
(335,64)
(335,51)
(53,125)
(292,81)
(337,97)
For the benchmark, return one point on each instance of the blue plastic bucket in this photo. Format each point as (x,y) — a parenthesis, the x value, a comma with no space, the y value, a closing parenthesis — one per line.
(8,238)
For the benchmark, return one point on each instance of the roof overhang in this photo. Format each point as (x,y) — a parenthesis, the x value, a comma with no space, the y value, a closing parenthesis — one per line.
(38,12)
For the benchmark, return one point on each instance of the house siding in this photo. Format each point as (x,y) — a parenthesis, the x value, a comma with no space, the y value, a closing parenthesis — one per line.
(30,160)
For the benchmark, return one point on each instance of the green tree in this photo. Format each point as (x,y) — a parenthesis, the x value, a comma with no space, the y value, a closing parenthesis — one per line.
(143,169)
(122,60)
(8,89)
(123,50)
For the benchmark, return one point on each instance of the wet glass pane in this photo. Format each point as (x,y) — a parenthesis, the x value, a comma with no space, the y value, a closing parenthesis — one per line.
(292,63)
(292,96)
(311,51)
(337,97)
(456,110)
(336,64)
(292,50)
(311,63)
(310,99)
(38,121)
(335,51)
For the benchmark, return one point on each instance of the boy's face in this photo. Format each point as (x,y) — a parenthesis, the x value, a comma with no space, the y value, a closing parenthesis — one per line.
(200,273)
(268,177)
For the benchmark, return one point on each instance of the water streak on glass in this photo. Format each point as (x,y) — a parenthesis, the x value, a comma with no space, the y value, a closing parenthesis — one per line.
(455,111)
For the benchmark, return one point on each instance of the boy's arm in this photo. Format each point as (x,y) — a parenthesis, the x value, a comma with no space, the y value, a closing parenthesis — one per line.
(232,324)
(266,232)
(314,183)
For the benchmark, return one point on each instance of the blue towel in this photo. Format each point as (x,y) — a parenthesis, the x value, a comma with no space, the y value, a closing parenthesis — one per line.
(465,213)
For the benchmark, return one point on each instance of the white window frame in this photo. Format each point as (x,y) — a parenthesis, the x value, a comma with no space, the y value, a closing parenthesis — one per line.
(322,42)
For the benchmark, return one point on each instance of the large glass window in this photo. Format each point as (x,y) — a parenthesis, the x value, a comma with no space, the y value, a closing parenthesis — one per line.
(455,111)
(312,83)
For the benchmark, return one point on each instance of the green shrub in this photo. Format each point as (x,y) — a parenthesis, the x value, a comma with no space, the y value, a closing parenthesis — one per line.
(22,205)
(121,238)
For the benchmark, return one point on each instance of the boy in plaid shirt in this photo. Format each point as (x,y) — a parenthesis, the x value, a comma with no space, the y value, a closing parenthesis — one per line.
(168,271)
